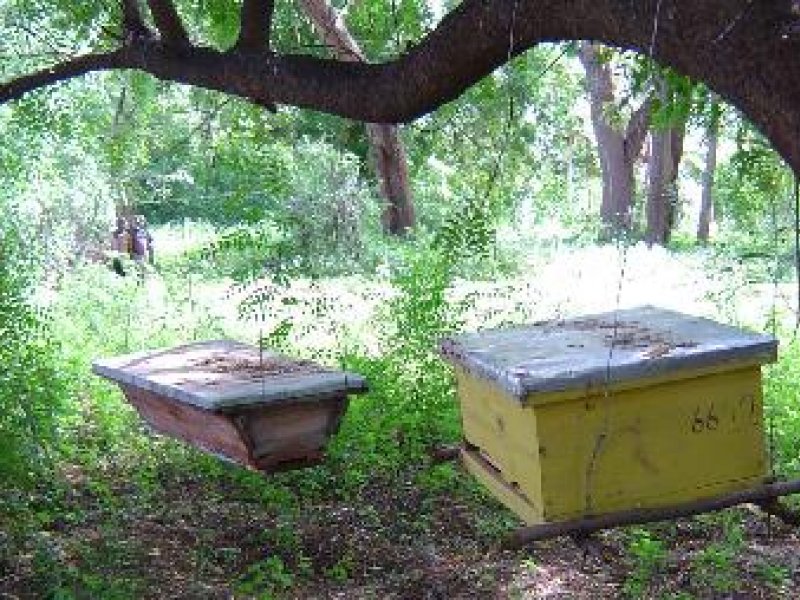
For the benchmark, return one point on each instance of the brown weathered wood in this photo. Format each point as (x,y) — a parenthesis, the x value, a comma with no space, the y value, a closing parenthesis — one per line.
(252,406)
(442,454)
(266,438)
(761,495)
(210,431)
(293,433)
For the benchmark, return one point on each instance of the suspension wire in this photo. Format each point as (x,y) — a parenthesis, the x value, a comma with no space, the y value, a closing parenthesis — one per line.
(505,136)
(622,256)
(774,328)
(797,252)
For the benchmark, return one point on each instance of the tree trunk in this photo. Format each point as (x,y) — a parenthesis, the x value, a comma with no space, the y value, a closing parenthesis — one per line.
(617,151)
(707,213)
(662,194)
(386,148)
(666,150)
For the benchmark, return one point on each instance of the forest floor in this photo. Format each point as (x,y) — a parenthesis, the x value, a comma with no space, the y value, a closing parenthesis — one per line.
(189,538)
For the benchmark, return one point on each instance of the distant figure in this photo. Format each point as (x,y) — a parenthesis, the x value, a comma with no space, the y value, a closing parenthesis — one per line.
(141,241)
(131,239)
(120,245)
(120,237)
(116,265)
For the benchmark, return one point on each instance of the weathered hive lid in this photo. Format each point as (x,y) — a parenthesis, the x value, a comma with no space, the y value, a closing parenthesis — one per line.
(221,374)
(609,349)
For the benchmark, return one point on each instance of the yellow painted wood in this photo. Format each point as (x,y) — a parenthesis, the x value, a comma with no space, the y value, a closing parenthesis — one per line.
(500,489)
(504,430)
(631,384)
(660,443)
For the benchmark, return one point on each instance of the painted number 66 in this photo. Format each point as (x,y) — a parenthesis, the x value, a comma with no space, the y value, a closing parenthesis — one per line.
(705,420)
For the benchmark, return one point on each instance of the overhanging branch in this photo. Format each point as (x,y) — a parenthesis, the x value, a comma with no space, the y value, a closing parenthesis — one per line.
(68,69)
(753,67)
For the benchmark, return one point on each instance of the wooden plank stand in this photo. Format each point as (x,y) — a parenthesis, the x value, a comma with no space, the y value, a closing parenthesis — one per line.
(610,419)
(255,408)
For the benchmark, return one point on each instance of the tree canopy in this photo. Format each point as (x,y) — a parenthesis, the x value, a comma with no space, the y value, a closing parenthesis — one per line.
(744,51)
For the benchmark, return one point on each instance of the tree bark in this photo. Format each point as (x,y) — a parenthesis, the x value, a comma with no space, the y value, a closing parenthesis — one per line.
(707,215)
(169,24)
(617,151)
(386,148)
(745,51)
(666,150)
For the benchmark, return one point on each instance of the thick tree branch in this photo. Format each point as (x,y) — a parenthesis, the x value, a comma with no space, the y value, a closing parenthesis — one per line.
(169,24)
(256,25)
(754,67)
(74,67)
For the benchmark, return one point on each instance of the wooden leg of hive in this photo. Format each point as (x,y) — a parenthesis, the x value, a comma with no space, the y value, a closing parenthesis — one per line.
(443,454)
(776,508)
(761,494)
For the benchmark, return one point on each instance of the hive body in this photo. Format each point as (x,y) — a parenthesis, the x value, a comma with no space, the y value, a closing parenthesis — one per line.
(255,408)
(655,429)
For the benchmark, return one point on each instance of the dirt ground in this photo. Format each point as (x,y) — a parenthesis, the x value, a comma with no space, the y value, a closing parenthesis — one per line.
(209,538)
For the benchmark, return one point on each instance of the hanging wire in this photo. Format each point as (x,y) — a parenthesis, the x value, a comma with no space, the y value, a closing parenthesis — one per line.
(773,318)
(261,362)
(797,252)
(622,256)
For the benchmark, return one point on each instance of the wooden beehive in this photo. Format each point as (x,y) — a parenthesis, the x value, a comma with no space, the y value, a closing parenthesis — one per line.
(644,408)
(256,408)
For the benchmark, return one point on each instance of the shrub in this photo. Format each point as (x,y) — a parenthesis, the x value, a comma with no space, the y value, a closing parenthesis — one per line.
(31,388)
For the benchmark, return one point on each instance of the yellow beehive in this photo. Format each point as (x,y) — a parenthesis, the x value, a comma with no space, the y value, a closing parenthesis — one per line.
(639,409)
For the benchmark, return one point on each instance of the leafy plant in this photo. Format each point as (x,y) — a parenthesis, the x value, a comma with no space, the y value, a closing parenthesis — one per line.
(32,390)
(265,579)
(714,566)
(775,576)
(648,555)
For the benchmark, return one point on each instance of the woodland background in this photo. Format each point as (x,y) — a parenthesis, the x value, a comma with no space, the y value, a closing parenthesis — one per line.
(573,179)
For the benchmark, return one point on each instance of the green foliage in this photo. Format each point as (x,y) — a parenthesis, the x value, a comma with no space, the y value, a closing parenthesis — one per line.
(774,576)
(32,389)
(782,389)
(318,223)
(327,210)
(714,566)
(648,555)
(753,184)
(411,403)
(265,579)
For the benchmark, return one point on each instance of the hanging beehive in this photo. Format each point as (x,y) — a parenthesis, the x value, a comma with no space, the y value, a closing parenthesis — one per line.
(640,409)
(256,408)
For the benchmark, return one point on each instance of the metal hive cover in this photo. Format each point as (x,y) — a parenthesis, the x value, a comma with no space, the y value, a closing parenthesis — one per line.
(599,350)
(221,374)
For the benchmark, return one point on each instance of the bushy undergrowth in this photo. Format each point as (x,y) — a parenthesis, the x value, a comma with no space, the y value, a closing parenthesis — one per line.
(782,405)
(411,404)
(32,387)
